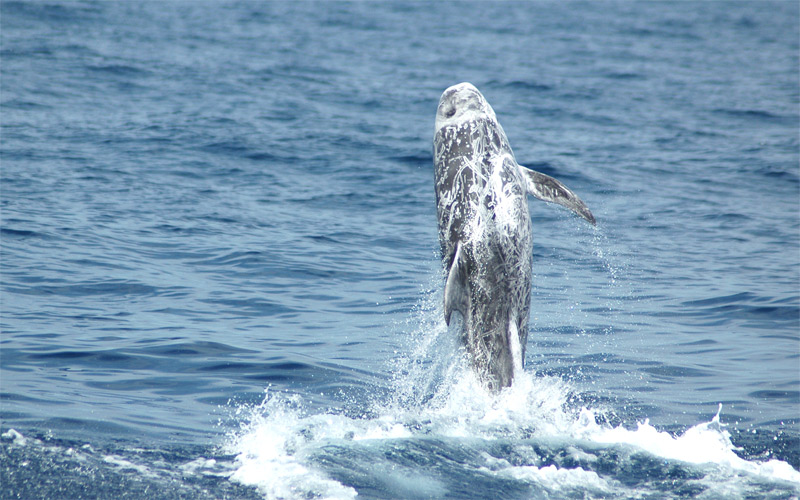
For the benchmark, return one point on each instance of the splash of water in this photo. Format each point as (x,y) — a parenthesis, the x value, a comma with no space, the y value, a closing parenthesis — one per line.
(437,402)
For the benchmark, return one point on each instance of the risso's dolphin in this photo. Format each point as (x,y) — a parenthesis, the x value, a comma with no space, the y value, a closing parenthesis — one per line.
(485,231)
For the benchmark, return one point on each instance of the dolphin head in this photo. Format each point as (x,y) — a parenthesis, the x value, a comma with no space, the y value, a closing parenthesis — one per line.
(462,102)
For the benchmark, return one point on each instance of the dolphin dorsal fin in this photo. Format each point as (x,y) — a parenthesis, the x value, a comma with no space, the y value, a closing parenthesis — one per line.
(456,296)
(546,188)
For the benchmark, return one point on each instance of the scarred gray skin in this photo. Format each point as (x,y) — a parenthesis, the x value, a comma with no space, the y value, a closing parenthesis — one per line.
(485,231)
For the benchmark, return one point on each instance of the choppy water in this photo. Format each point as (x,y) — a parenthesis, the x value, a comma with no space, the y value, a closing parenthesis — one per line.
(219,267)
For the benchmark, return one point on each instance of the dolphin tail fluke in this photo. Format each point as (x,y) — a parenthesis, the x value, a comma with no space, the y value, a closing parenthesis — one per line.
(546,188)
(456,296)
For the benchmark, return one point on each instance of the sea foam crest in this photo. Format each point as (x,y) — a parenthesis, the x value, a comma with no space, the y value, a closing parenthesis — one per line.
(270,447)
(705,443)
(279,446)
(437,401)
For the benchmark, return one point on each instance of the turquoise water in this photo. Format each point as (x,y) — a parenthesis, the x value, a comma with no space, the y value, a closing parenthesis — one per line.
(219,258)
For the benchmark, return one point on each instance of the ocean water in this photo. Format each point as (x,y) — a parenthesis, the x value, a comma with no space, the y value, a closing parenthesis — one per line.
(219,265)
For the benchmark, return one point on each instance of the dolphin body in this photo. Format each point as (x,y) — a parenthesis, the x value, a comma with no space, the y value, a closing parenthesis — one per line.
(485,231)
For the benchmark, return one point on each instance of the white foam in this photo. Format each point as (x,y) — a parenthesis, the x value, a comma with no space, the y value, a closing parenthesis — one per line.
(124,464)
(270,448)
(274,446)
(15,437)
(203,466)
(468,409)
(556,479)
(436,395)
(705,443)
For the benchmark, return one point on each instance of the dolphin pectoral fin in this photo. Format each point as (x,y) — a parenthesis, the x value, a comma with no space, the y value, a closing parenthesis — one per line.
(515,347)
(455,290)
(546,188)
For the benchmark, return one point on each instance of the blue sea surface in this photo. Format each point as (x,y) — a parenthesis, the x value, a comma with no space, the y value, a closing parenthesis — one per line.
(219,255)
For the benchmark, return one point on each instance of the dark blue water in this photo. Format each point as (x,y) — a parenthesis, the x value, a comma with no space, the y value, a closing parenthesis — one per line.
(219,258)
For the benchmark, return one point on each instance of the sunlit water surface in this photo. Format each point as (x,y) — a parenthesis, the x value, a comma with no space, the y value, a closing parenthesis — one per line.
(219,261)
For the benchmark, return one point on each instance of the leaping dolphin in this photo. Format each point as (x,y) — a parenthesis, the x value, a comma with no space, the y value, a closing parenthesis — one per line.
(485,231)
